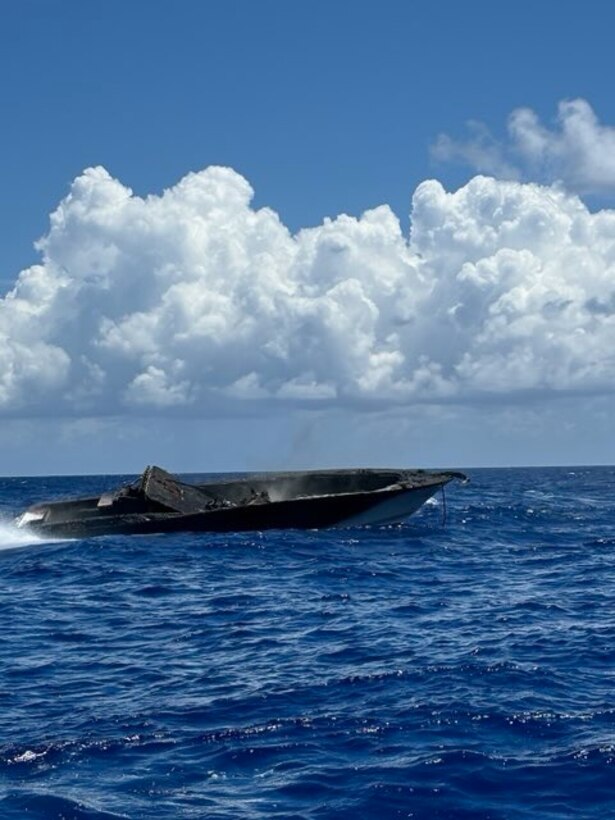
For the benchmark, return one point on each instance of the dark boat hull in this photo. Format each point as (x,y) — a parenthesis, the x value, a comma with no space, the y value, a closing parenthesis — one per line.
(162,504)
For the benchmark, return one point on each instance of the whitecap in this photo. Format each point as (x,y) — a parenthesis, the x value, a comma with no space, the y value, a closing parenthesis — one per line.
(14,537)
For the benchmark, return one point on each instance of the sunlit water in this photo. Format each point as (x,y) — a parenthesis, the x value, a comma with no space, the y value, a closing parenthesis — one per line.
(465,671)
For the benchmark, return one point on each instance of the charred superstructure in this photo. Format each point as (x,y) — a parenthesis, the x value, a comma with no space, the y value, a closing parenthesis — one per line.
(159,502)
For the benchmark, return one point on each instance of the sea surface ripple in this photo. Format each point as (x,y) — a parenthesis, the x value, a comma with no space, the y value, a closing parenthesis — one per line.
(464,671)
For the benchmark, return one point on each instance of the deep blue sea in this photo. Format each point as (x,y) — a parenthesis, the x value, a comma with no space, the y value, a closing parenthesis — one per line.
(426,671)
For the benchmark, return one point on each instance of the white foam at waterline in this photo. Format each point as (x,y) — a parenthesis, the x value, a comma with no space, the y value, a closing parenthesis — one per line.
(13,537)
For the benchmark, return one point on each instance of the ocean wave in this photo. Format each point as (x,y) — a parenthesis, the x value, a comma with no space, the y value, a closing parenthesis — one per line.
(462,671)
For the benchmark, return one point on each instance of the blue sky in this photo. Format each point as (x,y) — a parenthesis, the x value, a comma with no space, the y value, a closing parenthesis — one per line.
(325,109)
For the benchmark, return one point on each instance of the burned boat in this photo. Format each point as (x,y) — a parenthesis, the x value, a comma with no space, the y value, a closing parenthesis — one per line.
(160,502)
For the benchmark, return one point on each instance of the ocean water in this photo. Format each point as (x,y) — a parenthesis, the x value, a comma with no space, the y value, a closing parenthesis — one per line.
(426,671)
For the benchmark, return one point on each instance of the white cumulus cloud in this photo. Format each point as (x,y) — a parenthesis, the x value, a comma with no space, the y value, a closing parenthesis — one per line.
(194,302)
(578,151)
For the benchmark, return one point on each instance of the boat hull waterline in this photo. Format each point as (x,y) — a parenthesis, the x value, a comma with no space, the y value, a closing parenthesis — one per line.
(159,502)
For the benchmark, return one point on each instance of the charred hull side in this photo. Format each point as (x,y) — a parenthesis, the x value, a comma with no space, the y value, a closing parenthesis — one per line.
(159,502)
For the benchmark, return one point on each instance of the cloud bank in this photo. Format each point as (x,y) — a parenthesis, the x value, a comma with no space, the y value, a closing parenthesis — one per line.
(193,302)
(578,152)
